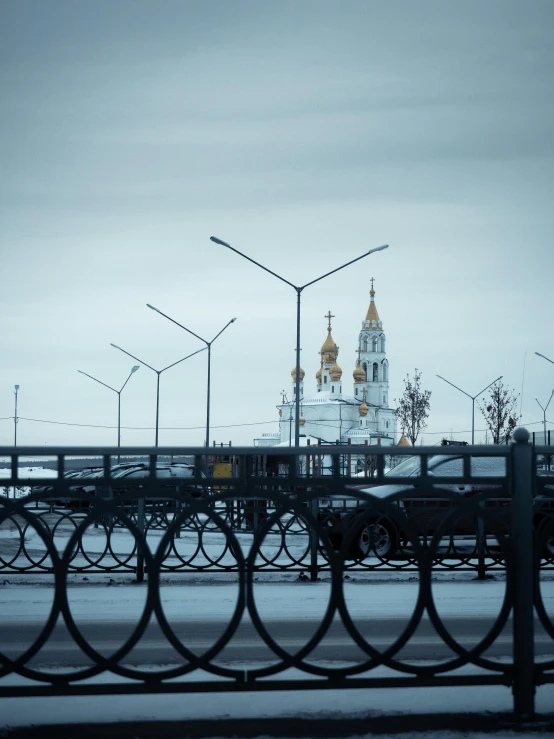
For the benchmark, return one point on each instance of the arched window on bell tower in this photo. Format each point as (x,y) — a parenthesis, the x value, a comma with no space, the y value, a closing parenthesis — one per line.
(375,371)
(374,344)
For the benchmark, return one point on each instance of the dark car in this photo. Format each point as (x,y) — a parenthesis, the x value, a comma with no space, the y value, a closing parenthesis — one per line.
(81,477)
(425,510)
(171,477)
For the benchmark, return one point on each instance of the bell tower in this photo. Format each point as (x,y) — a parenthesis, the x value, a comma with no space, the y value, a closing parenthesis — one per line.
(371,375)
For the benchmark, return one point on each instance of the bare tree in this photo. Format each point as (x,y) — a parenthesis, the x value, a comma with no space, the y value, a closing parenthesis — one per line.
(498,412)
(413,407)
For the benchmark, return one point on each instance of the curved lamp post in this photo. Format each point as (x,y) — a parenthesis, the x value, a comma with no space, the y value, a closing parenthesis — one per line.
(133,370)
(542,355)
(209,348)
(473,397)
(158,373)
(299,289)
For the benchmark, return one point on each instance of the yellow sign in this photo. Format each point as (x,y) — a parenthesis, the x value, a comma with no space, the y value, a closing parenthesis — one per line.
(222,469)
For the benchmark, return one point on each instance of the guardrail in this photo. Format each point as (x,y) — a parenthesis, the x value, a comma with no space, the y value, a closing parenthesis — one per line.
(466,486)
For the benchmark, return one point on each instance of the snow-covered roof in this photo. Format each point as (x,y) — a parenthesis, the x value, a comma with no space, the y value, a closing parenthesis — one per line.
(326,397)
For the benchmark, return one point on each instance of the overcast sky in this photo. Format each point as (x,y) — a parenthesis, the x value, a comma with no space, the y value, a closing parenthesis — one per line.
(304,133)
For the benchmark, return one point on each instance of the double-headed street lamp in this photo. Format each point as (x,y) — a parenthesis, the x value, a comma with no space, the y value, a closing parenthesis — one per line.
(473,397)
(209,348)
(544,409)
(544,413)
(158,373)
(299,289)
(15,420)
(133,370)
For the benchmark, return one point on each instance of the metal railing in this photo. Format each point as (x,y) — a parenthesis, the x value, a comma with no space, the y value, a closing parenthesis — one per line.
(159,515)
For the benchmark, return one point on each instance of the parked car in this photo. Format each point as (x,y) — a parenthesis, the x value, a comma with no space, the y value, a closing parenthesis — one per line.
(383,534)
(81,477)
(171,477)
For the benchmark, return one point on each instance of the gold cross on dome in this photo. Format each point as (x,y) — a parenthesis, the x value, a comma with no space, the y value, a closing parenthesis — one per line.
(328,317)
(358,352)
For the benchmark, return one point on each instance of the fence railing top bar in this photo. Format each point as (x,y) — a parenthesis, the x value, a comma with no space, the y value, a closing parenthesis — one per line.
(39,453)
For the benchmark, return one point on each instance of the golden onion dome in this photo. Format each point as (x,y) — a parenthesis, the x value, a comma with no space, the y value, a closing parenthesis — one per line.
(301,421)
(329,350)
(363,409)
(293,374)
(335,372)
(359,375)
(403,441)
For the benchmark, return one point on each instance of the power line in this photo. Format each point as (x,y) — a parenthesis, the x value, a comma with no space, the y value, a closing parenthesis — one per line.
(137,428)
(226,426)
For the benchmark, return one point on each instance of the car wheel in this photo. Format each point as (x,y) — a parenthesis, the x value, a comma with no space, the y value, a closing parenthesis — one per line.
(378,538)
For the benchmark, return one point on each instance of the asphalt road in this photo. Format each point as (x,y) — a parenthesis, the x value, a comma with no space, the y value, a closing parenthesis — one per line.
(247,646)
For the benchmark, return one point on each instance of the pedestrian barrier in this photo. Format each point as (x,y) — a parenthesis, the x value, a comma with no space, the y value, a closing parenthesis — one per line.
(278,512)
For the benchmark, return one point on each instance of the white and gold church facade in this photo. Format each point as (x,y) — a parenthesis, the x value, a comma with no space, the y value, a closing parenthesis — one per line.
(357,412)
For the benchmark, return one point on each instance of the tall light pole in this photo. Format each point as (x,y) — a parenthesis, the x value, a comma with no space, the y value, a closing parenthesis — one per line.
(473,397)
(544,413)
(158,373)
(15,420)
(299,289)
(209,348)
(133,370)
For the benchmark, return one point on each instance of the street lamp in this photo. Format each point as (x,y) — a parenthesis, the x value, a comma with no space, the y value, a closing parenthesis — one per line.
(299,289)
(15,419)
(544,412)
(209,348)
(542,355)
(158,373)
(473,397)
(133,370)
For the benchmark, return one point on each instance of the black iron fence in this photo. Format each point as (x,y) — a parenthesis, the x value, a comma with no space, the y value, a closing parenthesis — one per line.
(478,506)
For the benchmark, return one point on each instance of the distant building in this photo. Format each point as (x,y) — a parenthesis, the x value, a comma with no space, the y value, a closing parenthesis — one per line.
(330,414)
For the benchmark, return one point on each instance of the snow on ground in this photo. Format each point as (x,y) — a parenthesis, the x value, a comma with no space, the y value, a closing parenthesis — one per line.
(324,704)
(23,472)
(295,600)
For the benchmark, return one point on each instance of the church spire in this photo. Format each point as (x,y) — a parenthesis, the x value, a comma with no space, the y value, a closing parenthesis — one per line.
(372,314)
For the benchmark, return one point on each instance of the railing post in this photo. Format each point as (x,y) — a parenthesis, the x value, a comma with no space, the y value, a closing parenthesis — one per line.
(141,543)
(481,539)
(314,540)
(523,561)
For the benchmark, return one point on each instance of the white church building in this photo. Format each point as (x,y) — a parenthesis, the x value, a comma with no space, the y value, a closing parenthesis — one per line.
(341,409)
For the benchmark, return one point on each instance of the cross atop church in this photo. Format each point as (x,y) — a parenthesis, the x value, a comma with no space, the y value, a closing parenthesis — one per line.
(372,283)
(358,352)
(328,317)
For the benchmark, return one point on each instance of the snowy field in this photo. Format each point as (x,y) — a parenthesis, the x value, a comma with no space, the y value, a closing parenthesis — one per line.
(24,472)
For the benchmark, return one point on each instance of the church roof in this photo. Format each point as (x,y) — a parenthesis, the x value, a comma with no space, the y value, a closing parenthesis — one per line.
(403,441)
(372,314)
